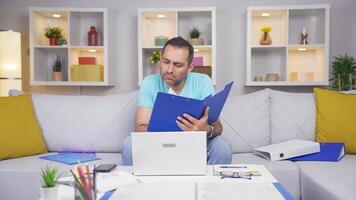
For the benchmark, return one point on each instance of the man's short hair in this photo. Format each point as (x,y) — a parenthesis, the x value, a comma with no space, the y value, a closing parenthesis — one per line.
(181,43)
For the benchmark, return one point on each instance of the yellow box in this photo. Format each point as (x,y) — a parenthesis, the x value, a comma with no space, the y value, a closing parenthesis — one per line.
(87,73)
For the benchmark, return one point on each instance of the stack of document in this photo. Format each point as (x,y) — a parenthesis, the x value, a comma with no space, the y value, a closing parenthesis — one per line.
(238,190)
(108,181)
(114,180)
(158,191)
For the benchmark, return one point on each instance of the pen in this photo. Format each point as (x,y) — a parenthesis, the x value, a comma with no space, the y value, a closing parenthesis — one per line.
(90,187)
(94,182)
(232,167)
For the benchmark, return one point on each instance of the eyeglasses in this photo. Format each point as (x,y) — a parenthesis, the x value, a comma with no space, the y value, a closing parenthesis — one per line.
(244,175)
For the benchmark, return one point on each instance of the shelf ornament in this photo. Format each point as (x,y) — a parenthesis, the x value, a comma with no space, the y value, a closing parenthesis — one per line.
(266,39)
(304,36)
(92,37)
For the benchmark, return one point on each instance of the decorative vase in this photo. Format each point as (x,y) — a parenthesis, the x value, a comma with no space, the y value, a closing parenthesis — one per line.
(160,40)
(53,41)
(49,193)
(196,41)
(265,39)
(57,76)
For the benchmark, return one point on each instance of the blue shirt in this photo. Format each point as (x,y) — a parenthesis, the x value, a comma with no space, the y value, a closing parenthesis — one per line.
(197,86)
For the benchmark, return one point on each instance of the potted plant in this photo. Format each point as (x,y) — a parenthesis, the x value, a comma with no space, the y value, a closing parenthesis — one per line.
(194,37)
(57,74)
(53,34)
(154,58)
(343,74)
(49,178)
(266,38)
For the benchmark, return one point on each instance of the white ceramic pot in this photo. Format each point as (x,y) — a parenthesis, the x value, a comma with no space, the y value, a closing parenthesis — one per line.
(49,193)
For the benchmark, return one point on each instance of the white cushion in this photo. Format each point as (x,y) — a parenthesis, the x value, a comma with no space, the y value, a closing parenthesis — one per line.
(245,121)
(292,116)
(85,123)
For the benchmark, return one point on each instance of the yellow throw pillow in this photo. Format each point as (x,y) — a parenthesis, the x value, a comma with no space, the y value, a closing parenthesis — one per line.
(20,133)
(335,118)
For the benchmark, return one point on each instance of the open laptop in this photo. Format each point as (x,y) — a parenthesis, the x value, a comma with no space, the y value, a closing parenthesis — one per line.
(169,153)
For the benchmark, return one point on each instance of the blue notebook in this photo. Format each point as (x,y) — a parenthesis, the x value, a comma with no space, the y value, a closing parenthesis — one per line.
(168,107)
(70,158)
(331,152)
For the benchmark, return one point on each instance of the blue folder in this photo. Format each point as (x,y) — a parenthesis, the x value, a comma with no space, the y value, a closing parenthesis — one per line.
(168,107)
(331,152)
(70,158)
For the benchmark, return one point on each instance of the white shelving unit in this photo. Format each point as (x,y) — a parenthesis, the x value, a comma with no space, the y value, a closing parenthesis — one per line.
(75,24)
(296,64)
(172,22)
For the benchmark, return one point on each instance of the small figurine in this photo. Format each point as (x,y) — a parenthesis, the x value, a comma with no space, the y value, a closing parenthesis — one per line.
(92,37)
(304,36)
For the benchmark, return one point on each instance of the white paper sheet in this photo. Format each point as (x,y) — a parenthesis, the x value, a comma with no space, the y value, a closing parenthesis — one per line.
(238,190)
(157,191)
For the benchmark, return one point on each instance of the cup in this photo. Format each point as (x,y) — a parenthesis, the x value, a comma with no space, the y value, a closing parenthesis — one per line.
(81,193)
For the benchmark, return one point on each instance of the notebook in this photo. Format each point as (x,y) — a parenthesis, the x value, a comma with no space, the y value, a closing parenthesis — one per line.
(70,158)
(331,152)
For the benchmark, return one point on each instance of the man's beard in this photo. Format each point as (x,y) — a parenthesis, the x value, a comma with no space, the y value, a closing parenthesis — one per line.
(173,80)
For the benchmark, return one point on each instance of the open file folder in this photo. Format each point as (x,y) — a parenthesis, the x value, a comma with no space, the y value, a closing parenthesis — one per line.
(168,107)
(288,149)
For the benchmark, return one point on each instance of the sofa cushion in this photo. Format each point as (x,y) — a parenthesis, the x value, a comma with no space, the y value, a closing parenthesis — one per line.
(85,123)
(245,121)
(335,118)
(328,180)
(286,172)
(20,178)
(292,116)
(20,133)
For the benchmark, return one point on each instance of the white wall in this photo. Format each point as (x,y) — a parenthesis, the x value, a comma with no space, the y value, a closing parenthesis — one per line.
(231,36)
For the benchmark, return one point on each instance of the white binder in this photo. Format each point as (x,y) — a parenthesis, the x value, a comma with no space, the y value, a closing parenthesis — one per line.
(288,149)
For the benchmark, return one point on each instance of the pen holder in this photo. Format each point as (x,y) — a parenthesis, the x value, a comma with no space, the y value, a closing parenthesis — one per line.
(85,191)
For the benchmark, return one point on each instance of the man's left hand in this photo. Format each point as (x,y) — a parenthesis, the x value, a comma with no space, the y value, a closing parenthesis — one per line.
(189,123)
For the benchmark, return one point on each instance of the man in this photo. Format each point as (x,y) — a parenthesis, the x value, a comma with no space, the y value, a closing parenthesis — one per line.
(175,77)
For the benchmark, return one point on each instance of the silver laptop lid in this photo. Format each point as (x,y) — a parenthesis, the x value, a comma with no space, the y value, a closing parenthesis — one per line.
(169,153)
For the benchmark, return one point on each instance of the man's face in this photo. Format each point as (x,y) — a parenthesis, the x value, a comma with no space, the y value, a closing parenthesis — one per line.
(174,65)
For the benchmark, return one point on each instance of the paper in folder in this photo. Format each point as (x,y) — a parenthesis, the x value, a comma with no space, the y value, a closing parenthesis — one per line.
(168,107)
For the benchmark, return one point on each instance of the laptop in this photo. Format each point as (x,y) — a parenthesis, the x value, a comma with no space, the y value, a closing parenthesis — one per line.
(169,153)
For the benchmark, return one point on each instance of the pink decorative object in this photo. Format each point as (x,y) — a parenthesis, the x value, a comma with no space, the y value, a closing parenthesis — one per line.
(198,61)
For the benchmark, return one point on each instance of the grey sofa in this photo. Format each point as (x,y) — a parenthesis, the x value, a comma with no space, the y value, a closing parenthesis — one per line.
(253,120)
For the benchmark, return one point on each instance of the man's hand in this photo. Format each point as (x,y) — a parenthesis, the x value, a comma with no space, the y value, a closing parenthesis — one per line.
(189,123)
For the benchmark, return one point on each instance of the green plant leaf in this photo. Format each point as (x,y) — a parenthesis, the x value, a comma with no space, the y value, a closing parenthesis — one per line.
(49,176)
(343,66)
(194,33)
